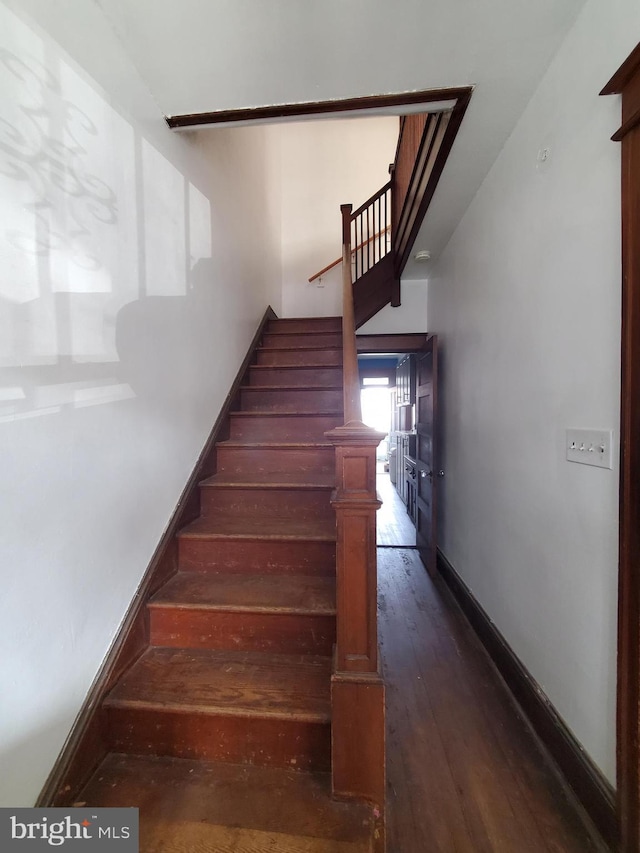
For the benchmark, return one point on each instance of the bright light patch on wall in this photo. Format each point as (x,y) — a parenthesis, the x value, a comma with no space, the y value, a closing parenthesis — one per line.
(11,394)
(164,216)
(376,408)
(33,413)
(103,394)
(16,405)
(375,380)
(199,225)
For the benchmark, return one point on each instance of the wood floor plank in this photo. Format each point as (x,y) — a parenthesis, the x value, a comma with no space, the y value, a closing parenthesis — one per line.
(448,703)
(536,782)
(424,807)
(394,527)
(472,749)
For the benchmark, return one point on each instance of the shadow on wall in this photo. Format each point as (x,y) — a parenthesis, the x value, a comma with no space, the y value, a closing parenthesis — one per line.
(107,315)
(107,245)
(156,338)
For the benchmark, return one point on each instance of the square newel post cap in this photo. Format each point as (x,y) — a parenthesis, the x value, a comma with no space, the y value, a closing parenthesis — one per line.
(355,433)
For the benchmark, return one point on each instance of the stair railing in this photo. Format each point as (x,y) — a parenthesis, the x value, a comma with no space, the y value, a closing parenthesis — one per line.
(357,690)
(371,231)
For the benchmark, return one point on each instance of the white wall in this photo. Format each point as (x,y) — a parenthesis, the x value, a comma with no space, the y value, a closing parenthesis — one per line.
(129,294)
(284,52)
(321,165)
(409,316)
(526,300)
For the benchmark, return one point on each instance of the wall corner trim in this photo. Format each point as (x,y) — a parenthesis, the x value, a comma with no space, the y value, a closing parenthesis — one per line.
(589,785)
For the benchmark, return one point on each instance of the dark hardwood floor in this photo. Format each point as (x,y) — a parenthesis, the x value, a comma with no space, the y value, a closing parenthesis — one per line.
(394,527)
(465,774)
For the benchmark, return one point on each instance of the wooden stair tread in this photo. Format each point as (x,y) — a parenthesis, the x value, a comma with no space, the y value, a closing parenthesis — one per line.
(272,444)
(322,318)
(285,332)
(283,529)
(310,366)
(301,594)
(230,683)
(269,413)
(175,794)
(291,387)
(295,348)
(265,480)
(298,347)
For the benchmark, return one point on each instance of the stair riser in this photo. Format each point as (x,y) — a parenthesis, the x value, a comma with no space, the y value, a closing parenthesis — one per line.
(266,503)
(324,339)
(267,460)
(276,633)
(284,428)
(296,358)
(237,740)
(257,556)
(302,376)
(306,324)
(294,401)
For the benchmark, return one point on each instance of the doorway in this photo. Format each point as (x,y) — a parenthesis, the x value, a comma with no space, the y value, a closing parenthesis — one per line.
(395,527)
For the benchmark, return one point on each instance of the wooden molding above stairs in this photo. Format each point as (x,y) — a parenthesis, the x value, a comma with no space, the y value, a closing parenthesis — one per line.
(310,108)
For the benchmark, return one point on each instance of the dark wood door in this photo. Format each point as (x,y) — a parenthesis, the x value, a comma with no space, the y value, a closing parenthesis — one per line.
(426,453)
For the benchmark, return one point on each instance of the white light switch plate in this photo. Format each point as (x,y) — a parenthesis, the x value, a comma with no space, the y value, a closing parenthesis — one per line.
(590,447)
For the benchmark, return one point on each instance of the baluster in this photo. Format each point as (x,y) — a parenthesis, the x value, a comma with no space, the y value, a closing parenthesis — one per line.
(368,235)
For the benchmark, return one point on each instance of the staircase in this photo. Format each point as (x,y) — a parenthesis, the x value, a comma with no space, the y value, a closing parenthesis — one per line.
(239,665)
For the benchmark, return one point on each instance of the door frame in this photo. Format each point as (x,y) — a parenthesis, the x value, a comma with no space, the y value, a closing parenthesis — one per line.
(626,81)
(405,343)
(428,554)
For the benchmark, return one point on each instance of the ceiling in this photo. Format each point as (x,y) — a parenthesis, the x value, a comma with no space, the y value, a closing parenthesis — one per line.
(207,55)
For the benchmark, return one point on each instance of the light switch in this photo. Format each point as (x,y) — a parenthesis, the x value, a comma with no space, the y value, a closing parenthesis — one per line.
(590,447)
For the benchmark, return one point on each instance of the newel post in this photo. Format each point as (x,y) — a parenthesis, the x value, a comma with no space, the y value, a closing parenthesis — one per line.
(356,502)
(357,690)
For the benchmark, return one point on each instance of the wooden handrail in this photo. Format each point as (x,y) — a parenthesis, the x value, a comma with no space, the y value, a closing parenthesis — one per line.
(355,249)
(371,200)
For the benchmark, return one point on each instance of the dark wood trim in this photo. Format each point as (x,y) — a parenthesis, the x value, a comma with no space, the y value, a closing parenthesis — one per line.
(407,207)
(370,201)
(627,127)
(590,786)
(373,290)
(403,342)
(626,81)
(623,75)
(398,99)
(85,747)
(441,158)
